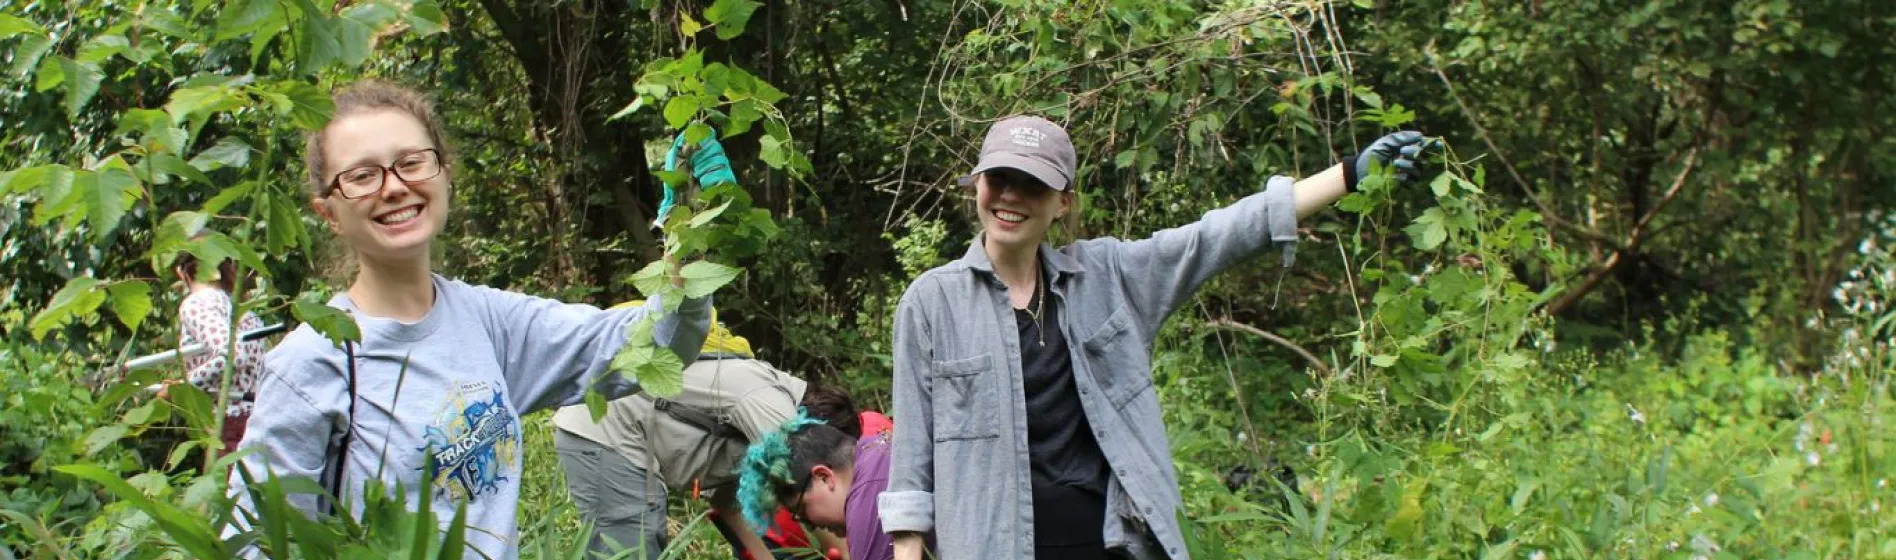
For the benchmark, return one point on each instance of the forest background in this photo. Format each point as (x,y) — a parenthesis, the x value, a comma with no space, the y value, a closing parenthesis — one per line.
(1643,312)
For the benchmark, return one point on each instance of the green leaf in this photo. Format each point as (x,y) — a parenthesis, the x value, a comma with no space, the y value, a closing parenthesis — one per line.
(1407,521)
(768,93)
(696,133)
(146,414)
(454,545)
(355,38)
(229,151)
(284,231)
(730,16)
(50,75)
(163,20)
(651,279)
(688,26)
(1430,230)
(704,277)
(203,100)
(1382,360)
(11,25)
(27,55)
(247,16)
(596,404)
(107,195)
(770,149)
(333,323)
(680,109)
(425,18)
(175,165)
(230,195)
(78,297)
(173,233)
(704,218)
(102,47)
(633,107)
(187,530)
(179,453)
(309,107)
(1523,494)
(1442,185)
(1368,96)
(29,179)
(82,82)
(131,302)
(104,437)
(318,45)
(744,113)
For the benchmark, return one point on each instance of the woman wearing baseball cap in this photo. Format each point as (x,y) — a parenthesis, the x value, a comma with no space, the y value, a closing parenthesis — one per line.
(1023,377)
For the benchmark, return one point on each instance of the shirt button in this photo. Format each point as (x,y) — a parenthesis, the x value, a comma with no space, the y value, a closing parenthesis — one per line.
(1099,434)
(1122,473)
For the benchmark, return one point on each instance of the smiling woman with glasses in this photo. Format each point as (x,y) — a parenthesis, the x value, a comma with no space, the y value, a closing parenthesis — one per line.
(433,392)
(411,168)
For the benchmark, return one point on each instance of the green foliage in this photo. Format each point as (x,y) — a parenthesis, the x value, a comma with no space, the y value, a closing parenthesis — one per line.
(1716,393)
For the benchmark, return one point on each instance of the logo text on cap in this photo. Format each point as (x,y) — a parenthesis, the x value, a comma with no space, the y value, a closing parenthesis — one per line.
(1026,136)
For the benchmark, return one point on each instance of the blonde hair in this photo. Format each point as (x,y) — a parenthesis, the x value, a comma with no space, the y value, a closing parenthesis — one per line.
(369,95)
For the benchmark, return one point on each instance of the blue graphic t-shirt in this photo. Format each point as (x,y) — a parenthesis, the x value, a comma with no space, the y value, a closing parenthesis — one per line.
(474,443)
(438,402)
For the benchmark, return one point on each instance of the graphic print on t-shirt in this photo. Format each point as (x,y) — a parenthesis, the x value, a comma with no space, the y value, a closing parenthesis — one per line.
(474,442)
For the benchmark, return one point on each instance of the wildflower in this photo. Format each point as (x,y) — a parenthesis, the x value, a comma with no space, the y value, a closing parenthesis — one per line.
(1633,413)
(1711,499)
(1537,555)
(1813,458)
(1704,545)
(1881,483)
(1690,510)
(1672,546)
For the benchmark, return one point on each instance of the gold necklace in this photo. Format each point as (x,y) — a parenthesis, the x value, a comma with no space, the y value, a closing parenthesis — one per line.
(1040,304)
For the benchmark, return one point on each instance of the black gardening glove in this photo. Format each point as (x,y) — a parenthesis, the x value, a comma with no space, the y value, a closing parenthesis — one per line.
(1401,152)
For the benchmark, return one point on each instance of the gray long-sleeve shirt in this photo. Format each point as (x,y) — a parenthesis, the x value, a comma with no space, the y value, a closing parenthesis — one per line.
(450,388)
(960,464)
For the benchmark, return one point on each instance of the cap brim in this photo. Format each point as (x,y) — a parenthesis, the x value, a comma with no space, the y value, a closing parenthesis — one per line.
(1045,173)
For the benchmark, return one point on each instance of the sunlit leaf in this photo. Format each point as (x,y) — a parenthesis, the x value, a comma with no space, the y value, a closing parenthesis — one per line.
(230,151)
(680,109)
(730,16)
(80,297)
(332,323)
(704,277)
(131,302)
(82,82)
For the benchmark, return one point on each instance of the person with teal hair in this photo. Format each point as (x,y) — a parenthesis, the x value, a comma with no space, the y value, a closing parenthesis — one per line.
(825,477)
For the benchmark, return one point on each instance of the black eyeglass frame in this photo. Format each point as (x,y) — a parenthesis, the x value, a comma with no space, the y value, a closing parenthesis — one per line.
(335,182)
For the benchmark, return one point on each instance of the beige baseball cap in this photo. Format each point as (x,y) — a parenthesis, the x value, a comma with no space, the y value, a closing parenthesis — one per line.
(1032,145)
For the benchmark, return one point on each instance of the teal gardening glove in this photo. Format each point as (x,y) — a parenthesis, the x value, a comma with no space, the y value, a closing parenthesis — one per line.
(709,166)
(1400,151)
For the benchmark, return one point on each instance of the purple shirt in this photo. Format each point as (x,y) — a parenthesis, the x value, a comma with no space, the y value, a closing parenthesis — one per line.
(869,479)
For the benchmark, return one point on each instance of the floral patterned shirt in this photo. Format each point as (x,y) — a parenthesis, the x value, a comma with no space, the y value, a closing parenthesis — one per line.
(204,318)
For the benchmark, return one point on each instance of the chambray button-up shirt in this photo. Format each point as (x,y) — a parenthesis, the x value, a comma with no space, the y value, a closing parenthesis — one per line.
(960,463)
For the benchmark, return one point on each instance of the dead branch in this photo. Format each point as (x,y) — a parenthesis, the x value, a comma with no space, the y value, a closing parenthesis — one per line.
(1634,239)
(1280,341)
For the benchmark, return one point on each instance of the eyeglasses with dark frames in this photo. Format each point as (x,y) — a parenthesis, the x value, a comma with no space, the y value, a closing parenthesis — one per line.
(412,167)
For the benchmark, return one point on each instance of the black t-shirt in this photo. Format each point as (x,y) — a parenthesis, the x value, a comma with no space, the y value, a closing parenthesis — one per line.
(1069,470)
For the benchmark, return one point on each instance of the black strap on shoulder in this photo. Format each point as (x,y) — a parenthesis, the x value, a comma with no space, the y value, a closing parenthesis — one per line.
(333,479)
(712,423)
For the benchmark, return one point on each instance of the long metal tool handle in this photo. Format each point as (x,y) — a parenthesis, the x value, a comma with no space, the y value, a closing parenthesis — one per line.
(168,356)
